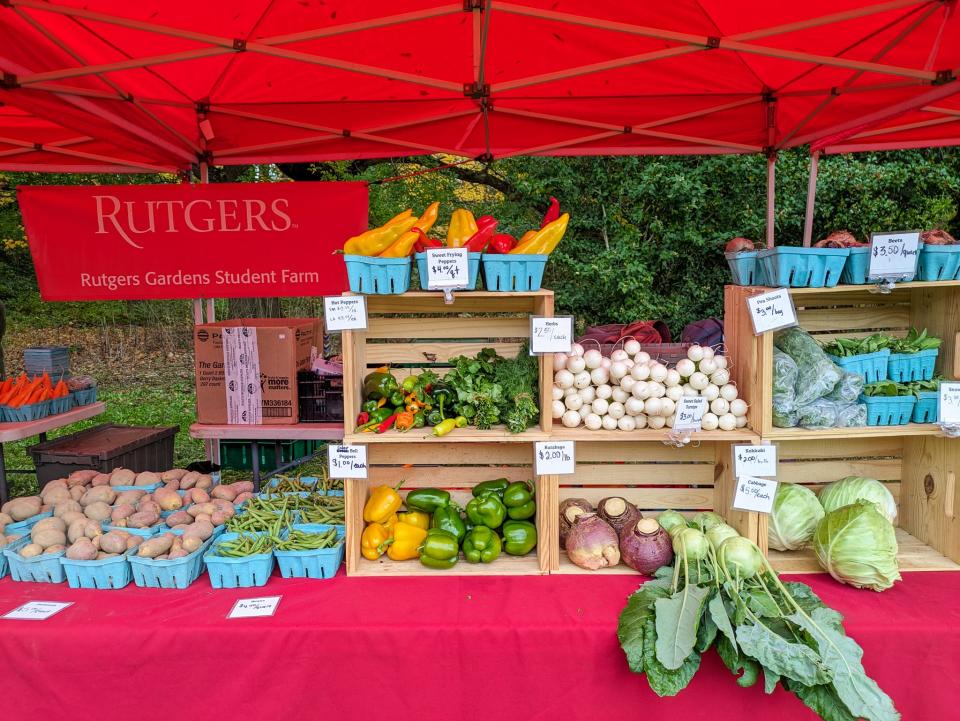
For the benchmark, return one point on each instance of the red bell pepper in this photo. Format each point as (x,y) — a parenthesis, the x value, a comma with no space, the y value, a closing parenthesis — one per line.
(486,226)
(423,242)
(553,212)
(502,243)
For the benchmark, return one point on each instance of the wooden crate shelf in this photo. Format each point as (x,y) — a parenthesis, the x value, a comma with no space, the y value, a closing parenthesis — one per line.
(649,435)
(497,434)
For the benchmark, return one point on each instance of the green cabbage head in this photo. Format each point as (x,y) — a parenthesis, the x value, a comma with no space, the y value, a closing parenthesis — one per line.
(856,544)
(796,513)
(857,488)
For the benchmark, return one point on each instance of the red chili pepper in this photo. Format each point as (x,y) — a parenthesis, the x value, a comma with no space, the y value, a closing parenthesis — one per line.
(423,242)
(479,240)
(385,426)
(553,212)
(363,418)
(502,243)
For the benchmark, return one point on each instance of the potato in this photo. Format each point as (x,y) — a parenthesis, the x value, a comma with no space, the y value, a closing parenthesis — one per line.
(76,528)
(55,483)
(133,541)
(219,518)
(71,516)
(20,509)
(204,482)
(55,495)
(31,550)
(174,474)
(82,550)
(56,548)
(46,508)
(96,541)
(199,529)
(178,553)
(167,499)
(132,497)
(241,497)
(149,507)
(101,479)
(98,511)
(66,507)
(122,477)
(242,486)
(113,542)
(5,519)
(202,517)
(198,508)
(48,537)
(175,519)
(83,476)
(156,546)
(92,529)
(198,495)
(191,543)
(143,519)
(57,524)
(76,493)
(99,494)
(146,478)
(13,537)
(189,480)
(227,493)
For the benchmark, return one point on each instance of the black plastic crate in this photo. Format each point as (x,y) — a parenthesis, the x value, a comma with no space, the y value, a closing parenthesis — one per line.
(320,398)
(103,448)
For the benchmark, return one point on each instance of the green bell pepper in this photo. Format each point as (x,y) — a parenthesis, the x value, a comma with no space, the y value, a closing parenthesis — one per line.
(434,418)
(487,511)
(448,519)
(481,545)
(410,383)
(369,406)
(427,499)
(498,486)
(443,398)
(379,385)
(397,400)
(519,500)
(419,419)
(519,537)
(440,549)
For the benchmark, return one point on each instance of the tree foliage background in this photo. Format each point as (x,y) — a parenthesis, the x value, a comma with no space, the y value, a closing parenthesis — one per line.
(646,234)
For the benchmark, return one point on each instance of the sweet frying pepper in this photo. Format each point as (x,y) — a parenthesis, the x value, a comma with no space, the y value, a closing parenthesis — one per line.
(444,427)
(498,486)
(488,510)
(374,541)
(545,240)
(461,229)
(519,500)
(379,384)
(406,542)
(402,246)
(416,518)
(427,500)
(384,501)
(448,519)
(519,537)
(481,545)
(553,212)
(486,227)
(440,549)
(376,240)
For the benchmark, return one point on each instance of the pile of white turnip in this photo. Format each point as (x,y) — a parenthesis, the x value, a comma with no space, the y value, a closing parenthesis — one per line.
(631,390)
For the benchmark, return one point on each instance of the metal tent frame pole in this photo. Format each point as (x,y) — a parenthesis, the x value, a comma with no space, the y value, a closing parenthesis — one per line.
(771,196)
(811,198)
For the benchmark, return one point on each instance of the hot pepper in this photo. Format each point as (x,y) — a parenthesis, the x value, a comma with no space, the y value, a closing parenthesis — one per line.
(486,226)
(519,500)
(396,398)
(404,421)
(440,549)
(498,486)
(419,419)
(501,243)
(416,518)
(375,419)
(388,424)
(428,500)
(444,427)
(449,520)
(482,545)
(519,537)
(435,418)
(406,542)
(383,502)
(409,384)
(553,212)
(487,510)
(461,421)
(374,541)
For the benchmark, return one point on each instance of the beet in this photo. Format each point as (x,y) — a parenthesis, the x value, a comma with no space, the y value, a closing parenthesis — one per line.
(937,237)
(618,512)
(739,245)
(568,511)
(592,543)
(839,239)
(645,546)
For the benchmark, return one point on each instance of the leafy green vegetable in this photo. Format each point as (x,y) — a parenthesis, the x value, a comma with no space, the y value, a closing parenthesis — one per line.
(847,347)
(678,619)
(632,620)
(491,389)
(915,342)
(790,659)
(665,681)
(732,659)
(822,700)
(887,389)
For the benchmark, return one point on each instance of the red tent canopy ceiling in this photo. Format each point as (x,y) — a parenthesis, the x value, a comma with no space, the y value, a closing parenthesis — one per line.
(170,82)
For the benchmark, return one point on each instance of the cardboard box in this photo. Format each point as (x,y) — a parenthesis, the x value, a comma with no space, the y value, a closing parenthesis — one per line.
(246,369)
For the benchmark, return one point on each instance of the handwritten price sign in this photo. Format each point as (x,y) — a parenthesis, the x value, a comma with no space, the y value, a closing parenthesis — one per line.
(36,610)
(950,402)
(345,312)
(690,412)
(447,268)
(772,310)
(551,335)
(894,255)
(554,458)
(755,461)
(755,494)
(253,607)
(347,461)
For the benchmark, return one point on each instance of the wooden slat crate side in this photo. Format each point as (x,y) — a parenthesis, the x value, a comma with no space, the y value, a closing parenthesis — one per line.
(464,302)
(876,318)
(449,454)
(938,310)
(633,452)
(448,477)
(652,500)
(426,354)
(827,449)
(745,522)
(929,502)
(644,474)
(448,327)
(751,355)
(543,307)
(825,471)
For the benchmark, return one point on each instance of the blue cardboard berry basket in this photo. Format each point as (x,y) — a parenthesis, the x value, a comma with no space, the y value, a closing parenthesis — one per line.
(44,568)
(906,367)
(107,573)
(746,268)
(888,410)
(243,572)
(872,367)
(473,268)
(378,276)
(797,267)
(927,408)
(513,273)
(320,563)
(939,262)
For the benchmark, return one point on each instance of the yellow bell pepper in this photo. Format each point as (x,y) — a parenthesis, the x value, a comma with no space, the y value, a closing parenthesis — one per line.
(403,245)
(384,501)
(406,542)
(374,541)
(416,518)
(543,241)
(376,240)
(390,523)
(462,227)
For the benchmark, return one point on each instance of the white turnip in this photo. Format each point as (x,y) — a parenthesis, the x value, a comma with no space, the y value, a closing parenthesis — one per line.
(631,347)
(571,419)
(563,378)
(604,391)
(576,364)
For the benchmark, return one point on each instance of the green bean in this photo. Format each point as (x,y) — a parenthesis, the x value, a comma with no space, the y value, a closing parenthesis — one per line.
(308,541)
(244,545)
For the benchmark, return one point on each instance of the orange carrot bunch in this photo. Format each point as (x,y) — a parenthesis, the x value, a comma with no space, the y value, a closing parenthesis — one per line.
(22,390)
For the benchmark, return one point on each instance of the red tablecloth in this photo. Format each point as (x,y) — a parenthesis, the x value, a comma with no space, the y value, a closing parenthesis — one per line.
(465,648)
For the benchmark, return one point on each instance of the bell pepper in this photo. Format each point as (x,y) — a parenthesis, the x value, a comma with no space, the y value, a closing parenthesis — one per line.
(498,486)
(545,239)
(406,542)
(379,384)
(486,226)
(448,518)
(440,549)
(444,427)
(409,383)
(519,537)
(462,227)
(376,240)
(391,522)
(487,510)
(415,518)
(435,418)
(501,243)
(369,406)
(374,541)
(362,418)
(482,545)
(553,212)
(419,419)
(428,500)
(382,503)
(519,500)
(403,244)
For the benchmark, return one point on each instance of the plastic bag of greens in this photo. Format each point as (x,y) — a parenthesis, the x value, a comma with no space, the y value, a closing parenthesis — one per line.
(848,389)
(817,374)
(784,382)
(785,420)
(852,415)
(822,413)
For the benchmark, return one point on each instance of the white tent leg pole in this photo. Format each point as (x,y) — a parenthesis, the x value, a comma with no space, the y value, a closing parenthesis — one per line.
(771,186)
(811,198)
(212,447)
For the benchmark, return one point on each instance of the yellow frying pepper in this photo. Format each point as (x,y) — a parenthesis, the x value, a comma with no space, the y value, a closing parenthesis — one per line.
(544,240)
(406,542)
(416,518)
(403,245)
(376,240)
(462,227)
(374,541)
(384,501)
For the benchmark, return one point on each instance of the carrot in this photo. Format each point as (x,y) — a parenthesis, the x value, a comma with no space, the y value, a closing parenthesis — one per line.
(60,390)
(45,380)
(23,396)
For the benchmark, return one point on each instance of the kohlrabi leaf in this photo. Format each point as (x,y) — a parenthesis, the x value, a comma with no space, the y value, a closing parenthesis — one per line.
(718,613)
(736,663)
(665,681)
(822,700)
(632,619)
(678,618)
(793,660)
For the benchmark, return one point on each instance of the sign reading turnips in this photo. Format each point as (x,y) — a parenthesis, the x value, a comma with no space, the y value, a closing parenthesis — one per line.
(134,242)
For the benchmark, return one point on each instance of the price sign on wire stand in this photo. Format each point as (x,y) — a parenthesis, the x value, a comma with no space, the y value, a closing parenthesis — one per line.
(254,607)
(447,268)
(893,256)
(755,461)
(771,311)
(345,312)
(554,458)
(690,410)
(949,414)
(551,335)
(36,610)
(347,461)
(755,494)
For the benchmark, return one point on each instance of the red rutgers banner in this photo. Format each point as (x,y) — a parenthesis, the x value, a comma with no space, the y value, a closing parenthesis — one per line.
(227,240)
